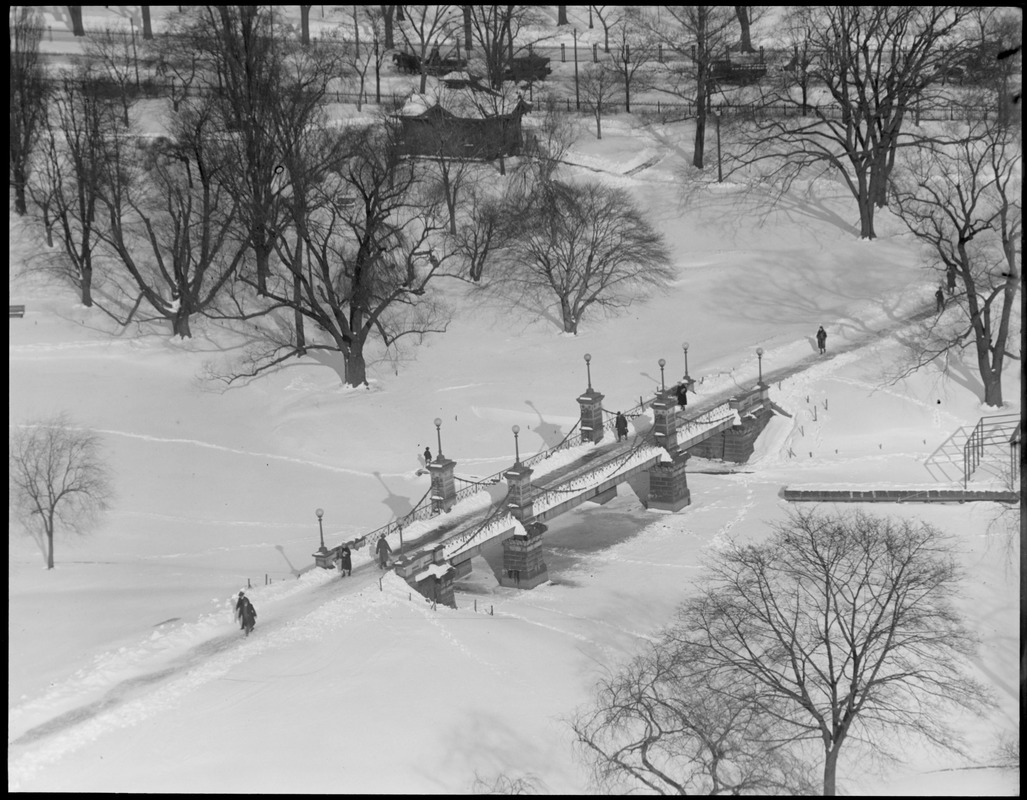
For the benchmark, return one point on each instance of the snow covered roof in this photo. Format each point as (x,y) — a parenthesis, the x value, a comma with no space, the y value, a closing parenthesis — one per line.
(435,571)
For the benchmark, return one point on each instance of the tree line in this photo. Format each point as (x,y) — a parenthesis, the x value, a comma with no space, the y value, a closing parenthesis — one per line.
(258,210)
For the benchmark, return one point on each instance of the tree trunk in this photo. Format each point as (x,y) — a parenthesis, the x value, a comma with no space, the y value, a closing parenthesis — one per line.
(76,20)
(356,369)
(561,15)
(742,12)
(20,203)
(180,324)
(305,25)
(627,95)
(87,284)
(866,212)
(599,125)
(297,296)
(387,14)
(700,132)
(399,14)
(570,323)
(467,28)
(49,540)
(830,768)
(147,27)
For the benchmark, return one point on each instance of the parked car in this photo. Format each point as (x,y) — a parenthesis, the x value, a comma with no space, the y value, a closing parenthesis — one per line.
(529,68)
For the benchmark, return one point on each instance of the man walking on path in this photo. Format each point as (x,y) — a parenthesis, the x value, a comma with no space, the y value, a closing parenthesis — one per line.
(621,425)
(246,613)
(822,340)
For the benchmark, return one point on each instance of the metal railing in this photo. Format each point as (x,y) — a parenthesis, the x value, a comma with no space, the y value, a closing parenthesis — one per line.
(998,429)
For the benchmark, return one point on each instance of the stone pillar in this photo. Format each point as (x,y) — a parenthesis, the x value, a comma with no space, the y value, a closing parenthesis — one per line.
(668,484)
(518,478)
(665,427)
(591,403)
(443,486)
(523,566)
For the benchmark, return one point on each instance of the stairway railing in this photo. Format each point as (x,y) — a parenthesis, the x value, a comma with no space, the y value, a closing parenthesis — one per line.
(989,431)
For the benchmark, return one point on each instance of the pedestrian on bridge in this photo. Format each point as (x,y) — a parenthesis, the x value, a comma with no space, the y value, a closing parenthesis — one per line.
(427,456)
(383,551)
(622,426)
(939,296)
(345,561)
(682,393)
(822,340)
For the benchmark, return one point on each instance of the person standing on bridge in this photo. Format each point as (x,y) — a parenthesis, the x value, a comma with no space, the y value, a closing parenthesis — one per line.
(427,456)
(345,561)
(383,551)
(622,426)
(822,340)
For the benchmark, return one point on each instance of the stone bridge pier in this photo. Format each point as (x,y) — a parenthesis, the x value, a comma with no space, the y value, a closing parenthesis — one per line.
(668,483)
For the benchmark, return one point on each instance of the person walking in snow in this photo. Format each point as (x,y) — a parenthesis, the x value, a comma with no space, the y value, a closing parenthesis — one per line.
(246,613)
(345,561)
(683,394)
(427,456)
(622,426)
(939,296)
(822,340)
(383,551)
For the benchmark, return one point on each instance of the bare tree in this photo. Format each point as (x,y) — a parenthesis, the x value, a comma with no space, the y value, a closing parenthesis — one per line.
(178,65)
(600,85)
(609,17)
(75,12)
(112,50)
(700,36)
(634,52)
(550,136)
(875,62)
(370,235)
(845,626)
(171,221)
(664,724)
(74,169)
(962,200)
(425,31)
(585,247)
(28,97)
(57,477)
(497,32)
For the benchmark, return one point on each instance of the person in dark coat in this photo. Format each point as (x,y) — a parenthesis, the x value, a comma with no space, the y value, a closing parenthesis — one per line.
(822,340)
(246,613)
(427,456)
(939,296)
(622,426)
(383,550)
(682,394)
(345,561)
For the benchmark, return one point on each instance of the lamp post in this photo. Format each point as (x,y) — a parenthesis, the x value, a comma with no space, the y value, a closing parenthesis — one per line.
(759,355)
(320,526)
(517,452)
(588,369)
(716,118)
(662,362)
(438,434)
(684,346)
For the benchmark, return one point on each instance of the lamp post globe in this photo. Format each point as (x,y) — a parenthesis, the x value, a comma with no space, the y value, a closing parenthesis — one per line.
(662,362)
(588,368)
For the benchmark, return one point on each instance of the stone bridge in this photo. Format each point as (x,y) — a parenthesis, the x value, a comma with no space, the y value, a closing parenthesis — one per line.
(587,466)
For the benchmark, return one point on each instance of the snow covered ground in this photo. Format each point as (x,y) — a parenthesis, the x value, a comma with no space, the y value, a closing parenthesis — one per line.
(128,673)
